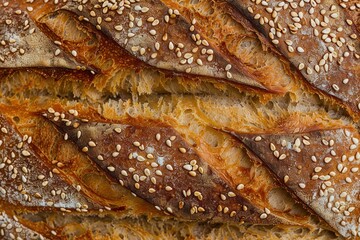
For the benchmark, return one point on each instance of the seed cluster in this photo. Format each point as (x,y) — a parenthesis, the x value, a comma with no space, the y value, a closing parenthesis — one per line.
(27,180)
(321,168)
(155,163)
(150,31)
(18,33)
(11,228)
(318,39)
(9,32)
(155,34)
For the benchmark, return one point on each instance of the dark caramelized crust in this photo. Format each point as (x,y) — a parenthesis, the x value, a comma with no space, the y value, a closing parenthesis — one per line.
(317,38)
(352,9)
(156,82)
(28,181)
(23,44)
(156,164)
(11,228)
(320,167)
(150,31)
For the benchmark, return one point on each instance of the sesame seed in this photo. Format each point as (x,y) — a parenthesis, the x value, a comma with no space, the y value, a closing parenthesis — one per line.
(267,211)
(301,66)
(272,147)
(348,180)
(286,178)
(140,158)
(231,194)
(169,167)
(182,150)
(240,186)
(228,75)
(352,147)
(111,168)
(117,130)
(223,197)
(302,185)
(327,159)
(192,173)
(25,153)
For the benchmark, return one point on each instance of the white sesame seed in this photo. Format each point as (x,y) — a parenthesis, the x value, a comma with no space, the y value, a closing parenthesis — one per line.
(301,66)
(169,167)
(25,153)
(286,178)
(228,75)
(182,150)
(111,168)
(231,194)
(187,167)
(240,186)
(272,147)
(192,173)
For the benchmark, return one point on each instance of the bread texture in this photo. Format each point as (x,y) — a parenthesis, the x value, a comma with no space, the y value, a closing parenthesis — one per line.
(165,120)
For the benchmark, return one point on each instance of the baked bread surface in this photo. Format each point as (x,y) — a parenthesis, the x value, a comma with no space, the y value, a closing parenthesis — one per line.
(165,119)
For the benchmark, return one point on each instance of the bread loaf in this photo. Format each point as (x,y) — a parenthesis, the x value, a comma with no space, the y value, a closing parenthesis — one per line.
(179,119)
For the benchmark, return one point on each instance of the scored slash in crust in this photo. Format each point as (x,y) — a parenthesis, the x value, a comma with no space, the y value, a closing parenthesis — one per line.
(319,39)
(320,167)
(28,181)
(155,163)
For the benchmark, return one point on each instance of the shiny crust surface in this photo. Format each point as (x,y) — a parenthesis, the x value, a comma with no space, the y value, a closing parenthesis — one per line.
(137,119)
(321,168)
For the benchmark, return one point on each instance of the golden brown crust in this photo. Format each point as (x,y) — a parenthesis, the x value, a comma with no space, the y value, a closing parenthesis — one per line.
(113,85)
(309,36)
(28,181)
(320,167)
(152,33)
(23,44)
